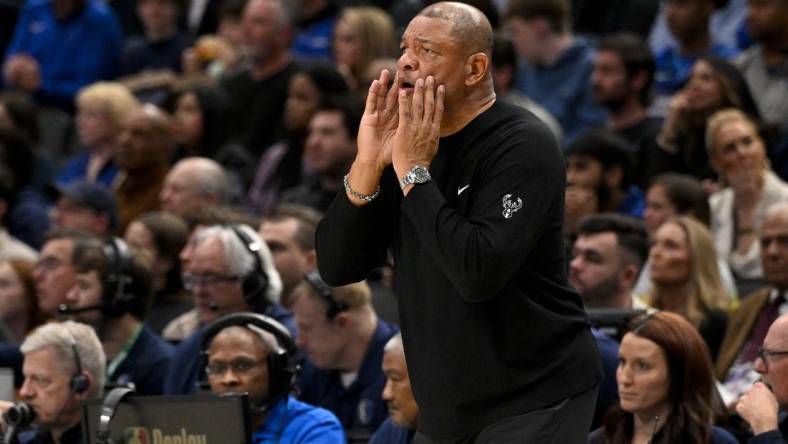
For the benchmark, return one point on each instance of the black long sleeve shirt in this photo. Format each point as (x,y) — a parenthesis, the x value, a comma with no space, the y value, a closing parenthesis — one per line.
(490,325)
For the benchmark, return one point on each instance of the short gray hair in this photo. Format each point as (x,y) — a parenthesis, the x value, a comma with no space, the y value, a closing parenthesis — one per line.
(210,177)
(238,259)
(61,337)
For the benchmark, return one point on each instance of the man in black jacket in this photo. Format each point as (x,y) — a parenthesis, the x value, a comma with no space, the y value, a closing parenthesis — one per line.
(469,193)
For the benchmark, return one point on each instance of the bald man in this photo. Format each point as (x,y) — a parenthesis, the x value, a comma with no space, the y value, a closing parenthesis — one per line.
(193,183)
(469,193)
(763,404)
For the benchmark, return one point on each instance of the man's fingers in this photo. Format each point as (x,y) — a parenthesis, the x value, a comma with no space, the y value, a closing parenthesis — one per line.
(383,82)
(417,102)
(391,96)
(404,108)
(429,99)
(438,116)
(371,104)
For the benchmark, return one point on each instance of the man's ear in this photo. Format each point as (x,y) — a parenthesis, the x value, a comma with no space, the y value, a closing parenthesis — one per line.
(342,319)
(613,177)
(476,67)
(638,80)
(311,259)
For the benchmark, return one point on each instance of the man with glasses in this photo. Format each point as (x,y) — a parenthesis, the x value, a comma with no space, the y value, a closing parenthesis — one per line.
(344,339)
(54,272)
(225,277)
(239,361)
(763,406)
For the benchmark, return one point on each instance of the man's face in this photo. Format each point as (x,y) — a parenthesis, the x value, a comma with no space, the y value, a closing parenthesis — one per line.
(774,249)
(180,194)
(329,149)
(158,16)
(596,268)
(47,389)
(140,143)
(54,274)
(609,79)
(584,171)
(525,39)
(429,48)
(290,260)
(767,19)
(397,393)
(86,293)
(775,369)
(217,293)
(237,364)
(687,17)
(262,35)
(321,338)
(69,214)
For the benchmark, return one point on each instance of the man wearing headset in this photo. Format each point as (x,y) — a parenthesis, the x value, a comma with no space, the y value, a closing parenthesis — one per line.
(112,294)
(229,271)
(64,365)
(253,354)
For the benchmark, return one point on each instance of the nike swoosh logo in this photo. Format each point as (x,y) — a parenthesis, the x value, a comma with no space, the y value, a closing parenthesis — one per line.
(461,189)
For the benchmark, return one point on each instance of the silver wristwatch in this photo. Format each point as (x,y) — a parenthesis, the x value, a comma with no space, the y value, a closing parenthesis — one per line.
(417,174)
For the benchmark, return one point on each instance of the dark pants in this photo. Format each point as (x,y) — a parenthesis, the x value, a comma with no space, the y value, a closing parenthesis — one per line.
(567,422)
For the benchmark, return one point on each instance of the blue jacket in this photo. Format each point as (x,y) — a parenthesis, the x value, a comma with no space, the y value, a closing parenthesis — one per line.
(291,421)
(146,365)
(673,68)
(359,407)
(187,369)
(390,433)
(564,89)
(76,170)
(72,53)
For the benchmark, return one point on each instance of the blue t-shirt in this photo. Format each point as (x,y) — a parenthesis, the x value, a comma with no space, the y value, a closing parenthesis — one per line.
(291,421)
(673,68)
(390,433)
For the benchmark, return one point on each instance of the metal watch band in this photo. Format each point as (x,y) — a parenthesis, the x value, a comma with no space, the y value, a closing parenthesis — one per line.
(357,195)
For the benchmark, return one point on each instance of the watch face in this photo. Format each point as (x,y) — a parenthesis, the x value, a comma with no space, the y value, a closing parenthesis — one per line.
(421,175)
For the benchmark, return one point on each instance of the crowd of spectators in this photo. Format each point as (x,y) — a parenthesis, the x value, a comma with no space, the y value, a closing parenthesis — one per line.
(164,165)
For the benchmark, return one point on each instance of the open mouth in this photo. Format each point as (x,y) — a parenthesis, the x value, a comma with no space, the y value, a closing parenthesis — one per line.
(406,86)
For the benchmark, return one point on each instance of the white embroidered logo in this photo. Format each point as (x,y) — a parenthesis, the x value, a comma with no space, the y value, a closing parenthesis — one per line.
(511,206)
(461,189)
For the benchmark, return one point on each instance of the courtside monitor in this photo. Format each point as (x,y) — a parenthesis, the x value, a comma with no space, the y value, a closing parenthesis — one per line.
(193,419)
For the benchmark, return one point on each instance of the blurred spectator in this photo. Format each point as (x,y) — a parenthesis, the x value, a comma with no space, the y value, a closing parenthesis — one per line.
(86,207)
(666,387)
(145,147)
(764,405)
(192,183)
(261,357)
(101,110)
(162,236)
(60,46)
(608,254)
(316,20)
(749,323)
(622,79)
(727,25)
(714,84)
(18,111)
(599,178)
(281,165)
(688,21)
(201,130)
(671,195)
(162,44)
(343,339)
(112,294)
(10,247)
(738,154)
(504,72)
(362,34)
(329,151)
(19,310)
(400,426)
(54,272)
(229,271)
(258,92)
(289,233)
(553,59)
(63,367)
(217,54)
(764,64)
(604,17)
(686,278)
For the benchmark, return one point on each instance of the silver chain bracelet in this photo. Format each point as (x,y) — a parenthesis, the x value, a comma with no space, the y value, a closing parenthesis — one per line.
(357,195)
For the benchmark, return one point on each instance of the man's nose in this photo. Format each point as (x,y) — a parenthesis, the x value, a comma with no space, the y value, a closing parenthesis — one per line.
(407,62)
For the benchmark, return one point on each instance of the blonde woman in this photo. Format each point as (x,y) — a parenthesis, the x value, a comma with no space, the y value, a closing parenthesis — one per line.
(101,109)
(362,34)
(683,266)
(738,154)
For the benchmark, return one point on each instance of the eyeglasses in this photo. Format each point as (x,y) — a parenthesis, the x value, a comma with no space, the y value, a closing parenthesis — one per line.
(239,366)
(191,281)
(765,353)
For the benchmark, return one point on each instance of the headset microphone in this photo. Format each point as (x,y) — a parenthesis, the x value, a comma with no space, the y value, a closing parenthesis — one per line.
(64,309)
(17,417)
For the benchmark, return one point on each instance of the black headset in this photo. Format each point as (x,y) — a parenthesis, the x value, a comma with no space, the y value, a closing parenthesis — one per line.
(324,291)
(79,383)
(282,364)
(118,285)
(255,282)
